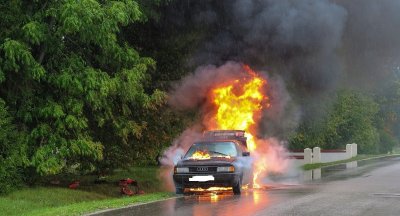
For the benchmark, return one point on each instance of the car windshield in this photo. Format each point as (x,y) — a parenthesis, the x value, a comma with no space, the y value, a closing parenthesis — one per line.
(212,149)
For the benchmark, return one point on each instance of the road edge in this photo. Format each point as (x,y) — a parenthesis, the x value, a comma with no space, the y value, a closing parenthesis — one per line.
(129,206)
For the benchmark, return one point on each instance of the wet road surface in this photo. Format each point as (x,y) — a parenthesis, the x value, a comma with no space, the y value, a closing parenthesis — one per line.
(363,188)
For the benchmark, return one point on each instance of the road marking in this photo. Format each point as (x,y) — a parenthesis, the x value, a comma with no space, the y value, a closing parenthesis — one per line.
(387,195)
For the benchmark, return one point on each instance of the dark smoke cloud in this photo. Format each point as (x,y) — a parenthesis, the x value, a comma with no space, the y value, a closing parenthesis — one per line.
(297,39)
(192,90)
(283,116)
(371,42)
(315,45)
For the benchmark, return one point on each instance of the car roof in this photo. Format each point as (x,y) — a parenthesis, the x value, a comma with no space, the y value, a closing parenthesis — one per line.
(232,135)
(215,141)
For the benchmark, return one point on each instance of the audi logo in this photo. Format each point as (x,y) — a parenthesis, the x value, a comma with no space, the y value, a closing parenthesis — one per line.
(202,169)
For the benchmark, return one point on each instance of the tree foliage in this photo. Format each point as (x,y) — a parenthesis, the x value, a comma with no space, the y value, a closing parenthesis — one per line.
(71,80)
(351,120)
(388,121)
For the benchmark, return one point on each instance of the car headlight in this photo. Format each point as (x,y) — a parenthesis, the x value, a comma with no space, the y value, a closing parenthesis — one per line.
(226,169)
(181,170)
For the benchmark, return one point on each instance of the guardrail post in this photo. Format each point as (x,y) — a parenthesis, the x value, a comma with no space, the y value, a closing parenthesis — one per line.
(349,152)
(307,175)
(307,156)
(354,149)
(316,174)
(316,155)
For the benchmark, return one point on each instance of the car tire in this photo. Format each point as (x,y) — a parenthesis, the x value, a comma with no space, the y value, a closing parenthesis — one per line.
(179,190)
(237,189)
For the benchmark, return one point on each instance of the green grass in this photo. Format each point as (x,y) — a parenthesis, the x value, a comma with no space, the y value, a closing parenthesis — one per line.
(93,206)
(89,197)
(356,158)
(61,201)
(24,201)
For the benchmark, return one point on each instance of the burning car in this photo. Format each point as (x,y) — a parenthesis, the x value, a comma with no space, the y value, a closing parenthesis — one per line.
(220,159)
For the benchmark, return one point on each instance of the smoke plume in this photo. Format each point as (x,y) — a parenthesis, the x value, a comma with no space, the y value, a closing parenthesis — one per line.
(296,39)
(371,42)
(315,46)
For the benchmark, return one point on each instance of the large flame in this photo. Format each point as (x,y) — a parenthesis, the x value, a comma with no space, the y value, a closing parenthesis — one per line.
(238,106)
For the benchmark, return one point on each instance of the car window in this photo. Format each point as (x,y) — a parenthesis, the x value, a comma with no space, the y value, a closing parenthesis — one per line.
(213,149)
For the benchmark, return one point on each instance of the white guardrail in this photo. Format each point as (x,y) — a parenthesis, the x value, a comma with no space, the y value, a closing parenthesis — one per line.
(318,155)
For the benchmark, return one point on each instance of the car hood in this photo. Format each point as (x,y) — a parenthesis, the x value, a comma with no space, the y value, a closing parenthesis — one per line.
(215,161)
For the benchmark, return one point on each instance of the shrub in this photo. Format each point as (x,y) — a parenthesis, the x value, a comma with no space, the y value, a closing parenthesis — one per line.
(12,156)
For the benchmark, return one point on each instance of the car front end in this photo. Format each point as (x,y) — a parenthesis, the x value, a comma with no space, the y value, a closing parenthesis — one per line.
(206,174)
(211,164)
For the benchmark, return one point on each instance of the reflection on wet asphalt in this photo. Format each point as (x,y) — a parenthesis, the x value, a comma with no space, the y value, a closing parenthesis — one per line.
(328,187)
(225,203)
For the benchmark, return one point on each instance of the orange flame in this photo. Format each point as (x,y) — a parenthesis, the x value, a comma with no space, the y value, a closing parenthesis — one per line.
(200,155)
(259,167)
(210,189)
(238,106)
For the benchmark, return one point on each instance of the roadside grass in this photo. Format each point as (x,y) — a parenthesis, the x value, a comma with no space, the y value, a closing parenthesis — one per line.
(48,199)
(24,201)
(356,158)
(93,206)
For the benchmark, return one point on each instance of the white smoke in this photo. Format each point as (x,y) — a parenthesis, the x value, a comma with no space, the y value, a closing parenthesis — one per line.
(180,145)
(175,152)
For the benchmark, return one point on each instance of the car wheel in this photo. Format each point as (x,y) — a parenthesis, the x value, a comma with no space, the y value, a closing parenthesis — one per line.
(237,189)
(179,190)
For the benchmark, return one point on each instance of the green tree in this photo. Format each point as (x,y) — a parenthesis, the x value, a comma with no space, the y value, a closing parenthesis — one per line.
(350,120)
(72,80)
(169,36)
(387,120)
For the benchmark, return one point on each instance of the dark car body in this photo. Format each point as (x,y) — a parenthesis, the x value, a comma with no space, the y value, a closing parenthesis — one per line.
(233,171)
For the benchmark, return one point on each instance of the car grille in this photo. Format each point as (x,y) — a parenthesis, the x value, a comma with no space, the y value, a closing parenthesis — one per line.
(202,169)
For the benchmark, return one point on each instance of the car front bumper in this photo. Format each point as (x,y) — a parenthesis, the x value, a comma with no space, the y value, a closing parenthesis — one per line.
(220,180)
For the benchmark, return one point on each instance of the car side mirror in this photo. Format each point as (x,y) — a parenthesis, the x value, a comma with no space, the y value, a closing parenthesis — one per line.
(245,154)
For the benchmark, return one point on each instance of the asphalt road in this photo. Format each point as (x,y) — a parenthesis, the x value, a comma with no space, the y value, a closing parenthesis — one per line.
(371,188)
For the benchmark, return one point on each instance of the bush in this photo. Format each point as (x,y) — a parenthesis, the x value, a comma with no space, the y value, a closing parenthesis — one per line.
(10,176)
(387,142)
(12,156)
